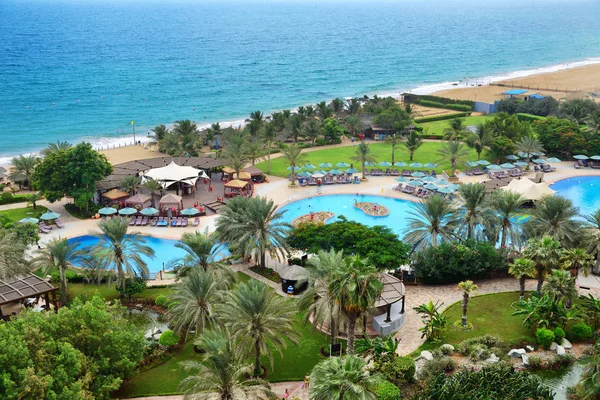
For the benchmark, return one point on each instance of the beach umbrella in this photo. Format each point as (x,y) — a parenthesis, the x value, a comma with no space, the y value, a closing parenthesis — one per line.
(430,165)
(385,164)
(304,174)
(342,164)
(351,171)
(402,179)
(555,160)
(483,162)
(534,153)
(507,165)
(49,216)
(319,174)
(494,167)
(453,186)
(326,165)
(189,211)
(442,182)
(430,186)
(400,164)
(107,211)
(521,163)
(539,161)
(446,190)
(417,174)
(370,164)
(149,211)
(335,172)
(29,220)
(309,166)
(592,157)
(512,157)
(417,182)
(127,211)
(472,164)
(581,157)
(428,179)
(416,165)
(296,169)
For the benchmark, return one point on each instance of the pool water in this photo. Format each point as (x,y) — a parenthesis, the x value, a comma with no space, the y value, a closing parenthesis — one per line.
(583,191)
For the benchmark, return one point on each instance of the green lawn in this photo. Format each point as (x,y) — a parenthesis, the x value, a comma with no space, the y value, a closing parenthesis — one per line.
(381,151)
(86,291)
(490,314)
(17,214)
(437,127)
(295,363)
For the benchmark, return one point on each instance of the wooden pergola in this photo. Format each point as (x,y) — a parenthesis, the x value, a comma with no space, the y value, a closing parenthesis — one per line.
(21,288)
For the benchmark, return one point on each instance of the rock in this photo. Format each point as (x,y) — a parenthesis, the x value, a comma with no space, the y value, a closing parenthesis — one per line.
(426,355)
(525,360)
(560,350)
(553,346)
(447,346)
(516,353)
(566,344)
(493,359)
(529,348)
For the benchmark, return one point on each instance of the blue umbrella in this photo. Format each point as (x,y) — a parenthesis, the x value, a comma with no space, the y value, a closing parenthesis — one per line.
(521,163)
(483,162)
(442,182)
(189,211)
(149,211)
(326,165)
(417,183)
(319,172)
(400,164)
(446,190)
(304,174)
(49,216)
(417,174)
(342,164)
(507,165)
(494,167)
(385,164)
(592,157)
(351,171)
(402,179)
(534,153)
(428,179)
(555,160)
(453,186)
(29,220)
(107,211)
(370,164)
(430,165)
(309,166)
(416,165)
(335,172)
(127,211)
(581,157)
(472,164)
(296,169)
(512,157)
(431,186)
(539,161)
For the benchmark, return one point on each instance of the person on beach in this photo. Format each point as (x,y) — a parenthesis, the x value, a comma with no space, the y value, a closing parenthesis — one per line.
(286,395)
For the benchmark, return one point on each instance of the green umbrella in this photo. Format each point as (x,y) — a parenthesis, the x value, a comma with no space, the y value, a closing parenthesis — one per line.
(325,165)
(430,186)
(402,179)
(149,211)
(494,167)
(555,160)
(107,211)
(49,216)
(442,182)
(319,172)
(400,164)
(335,172)
(417,174)
(512,157)
(416,165)
(310,166)
(385,164)
(127,211)
(29,220)
(370,164)
(431,165)
(539,161)
(507,165)
(351,171)
(304,174)
(296,168)
(472,164)
(581,157)
(417,183)
(189,211)
(592,157)
(483,162)
(446,190)
(342,164)
(428,179)
(521,163)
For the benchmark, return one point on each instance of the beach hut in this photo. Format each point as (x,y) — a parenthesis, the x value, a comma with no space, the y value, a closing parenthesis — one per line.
(256,174)
(170,201)
(115,195)
(139,200)
(238,187)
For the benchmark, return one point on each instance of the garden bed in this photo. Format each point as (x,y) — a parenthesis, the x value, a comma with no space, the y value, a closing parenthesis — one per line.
(267,273)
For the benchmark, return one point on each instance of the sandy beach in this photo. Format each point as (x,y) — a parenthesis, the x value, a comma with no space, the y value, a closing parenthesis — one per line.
(580,82)
(123,154)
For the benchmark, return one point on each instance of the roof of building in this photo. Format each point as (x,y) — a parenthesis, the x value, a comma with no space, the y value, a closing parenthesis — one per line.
(236,184)
(23,287)
(115,194)
(252,170)
(515,91)
(393,290)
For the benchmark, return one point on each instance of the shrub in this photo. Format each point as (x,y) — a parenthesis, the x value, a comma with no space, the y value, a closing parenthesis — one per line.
(407,368)
(535,362)
(320,142)
(162,301)
(417,98)
(168,338)
(449,106)
(399,370)
(561,361)
(446,351)
(580,332)
(436,367)
(6,196)
(559,334)
(442,117)
(544,337)
(387,391)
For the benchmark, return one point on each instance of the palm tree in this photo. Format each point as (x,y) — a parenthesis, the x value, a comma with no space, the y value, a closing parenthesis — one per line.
(454,152)
(254,226)
(202,249)
(432,220)
(508,204)
(577,259)
(412,143)
(60,254)
(269,136)
(337,105)
(324,111)
(317,300)
(311,130)
(194,299)
(468,288)
(259,319)
(188,136)
(159,132)
(55,148)
(154,187)
(545,253)
(354,125)
(561,285)
(294,126)
(393,140)
(592,237)
(23,166)
(129,184)
(254,151)
(222,373)
(33,199)
(343,378)
(12,261)
(122,251)
(480,140)
(295,157)
(473,197)
(529,145)
(353,106)
(255,122)
(593,123)
(456,127)
(522,268)
(363,156)
(236,153)
(355,286)
(555,216)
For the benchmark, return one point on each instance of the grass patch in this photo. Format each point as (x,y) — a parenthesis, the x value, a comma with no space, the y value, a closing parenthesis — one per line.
(437,127)
(17,214)
(86,291)
(381,152)
(490,314)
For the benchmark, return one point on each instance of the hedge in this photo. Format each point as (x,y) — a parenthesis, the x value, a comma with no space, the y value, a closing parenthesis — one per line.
(450,106)
(528,117)
(19,198)
(387,391)
(416,98)
(442,117)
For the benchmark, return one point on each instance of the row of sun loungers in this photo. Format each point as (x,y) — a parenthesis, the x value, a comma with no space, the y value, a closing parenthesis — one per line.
(163,221)
(409,189)
(408,172)
(329,180)
(545,168)
(48,228)
(582,164)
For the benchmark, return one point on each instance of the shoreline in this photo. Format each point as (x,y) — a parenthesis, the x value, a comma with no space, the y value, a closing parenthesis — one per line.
(471,90)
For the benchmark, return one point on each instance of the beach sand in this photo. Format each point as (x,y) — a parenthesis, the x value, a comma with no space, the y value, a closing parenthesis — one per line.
(123,154)
(581,82)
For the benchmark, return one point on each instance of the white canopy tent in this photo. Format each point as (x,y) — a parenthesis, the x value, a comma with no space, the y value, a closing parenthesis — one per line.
(529,189)
(174,173)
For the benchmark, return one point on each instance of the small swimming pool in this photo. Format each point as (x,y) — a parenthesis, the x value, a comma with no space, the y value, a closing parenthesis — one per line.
(164,249)
(583,191)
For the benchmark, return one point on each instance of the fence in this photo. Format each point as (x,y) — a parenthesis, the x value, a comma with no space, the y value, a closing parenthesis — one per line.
(538,87)
(118,145)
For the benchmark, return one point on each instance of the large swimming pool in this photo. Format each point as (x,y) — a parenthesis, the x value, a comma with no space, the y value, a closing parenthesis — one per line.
(583,191)
(164,249)
(343,204)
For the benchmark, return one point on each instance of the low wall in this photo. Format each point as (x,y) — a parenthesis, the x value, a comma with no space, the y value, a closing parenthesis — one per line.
(397,321)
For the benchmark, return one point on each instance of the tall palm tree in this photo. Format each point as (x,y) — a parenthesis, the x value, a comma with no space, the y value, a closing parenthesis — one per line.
(55,148)
(555,216)
(468,288)
(431,219)
(593,123)
(354,125)
(592,237)
(324,111)
(353,106)
(522,268)
(412,143)
(363,156)
(122,251)
(577,259)
(454,152)
(480,140)
(255,122)
(154,187)
(254,151)
(529,145)
(269,136)
(236,153)
(12,261)
(343,378)
(259,319)
(317,301)
(560,285)
(477,213)
(60,254)
(254,226)
(355,286)
(194,298)
(294,126)
(159,132)
(393,140)
(311,130)
(185,128)
(222,374)
(508,204)
(130,184)
(295,157)
(23,166)
(545,253)
(456,127)
(337,105)
(202,249)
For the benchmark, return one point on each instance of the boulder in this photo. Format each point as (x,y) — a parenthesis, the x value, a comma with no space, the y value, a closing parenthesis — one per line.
(493,359)
(560,350)
(516,353)
(426,355)
(553,346)
(566,344)
(525,360)
(447,346)
(529,348)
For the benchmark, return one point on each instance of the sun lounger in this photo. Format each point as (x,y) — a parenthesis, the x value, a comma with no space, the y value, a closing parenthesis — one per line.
(186,222)
(501,175)
(153,221)
(59,223)
(44,228)
(133,221)
(145,221)
(174,222)
(548,168)
(139,221)
(477,171)
(196,221)
(395,172)
(164,222)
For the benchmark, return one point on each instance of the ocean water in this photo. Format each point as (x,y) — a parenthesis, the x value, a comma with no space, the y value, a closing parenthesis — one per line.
(83,70)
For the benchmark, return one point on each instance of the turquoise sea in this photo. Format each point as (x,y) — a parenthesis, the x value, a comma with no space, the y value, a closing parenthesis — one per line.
(74,70)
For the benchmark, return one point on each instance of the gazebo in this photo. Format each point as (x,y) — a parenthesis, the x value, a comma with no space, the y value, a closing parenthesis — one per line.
(21,288)
(392,301)
(139,200)
(115,195)
(528,189)
(172,174)
(238,187)
(171,201)
(256,174)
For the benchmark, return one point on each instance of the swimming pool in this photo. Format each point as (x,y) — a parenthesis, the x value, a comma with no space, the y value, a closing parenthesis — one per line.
(583,191)
(343,204)
(164,249)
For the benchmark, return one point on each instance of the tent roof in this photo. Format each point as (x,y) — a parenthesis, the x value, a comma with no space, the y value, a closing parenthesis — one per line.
(393,290)
(170,199)
(23,287)
(138,199)
(115,194)
(292,272)
(173,173)
(245,176)
(529,189)
(252,170)
(236,184)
